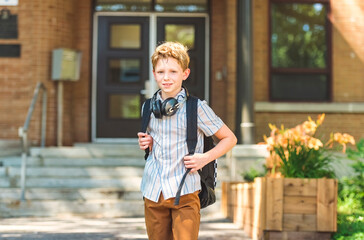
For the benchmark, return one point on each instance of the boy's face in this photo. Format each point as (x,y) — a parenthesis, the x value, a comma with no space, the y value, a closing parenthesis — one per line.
(169,76)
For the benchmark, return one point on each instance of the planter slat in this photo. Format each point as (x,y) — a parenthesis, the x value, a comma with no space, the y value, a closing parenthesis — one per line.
(274,206)
(326,205)
(300,205)
(299,222)
(297,236)
(300,187)
(259,196)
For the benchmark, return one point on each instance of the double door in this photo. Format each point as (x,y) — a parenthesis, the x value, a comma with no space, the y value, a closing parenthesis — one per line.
(123,68)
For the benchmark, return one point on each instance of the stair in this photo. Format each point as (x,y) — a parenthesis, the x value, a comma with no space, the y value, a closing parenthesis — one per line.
(93,180)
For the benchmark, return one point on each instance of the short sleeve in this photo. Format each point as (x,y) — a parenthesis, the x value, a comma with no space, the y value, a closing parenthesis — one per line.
(207,121)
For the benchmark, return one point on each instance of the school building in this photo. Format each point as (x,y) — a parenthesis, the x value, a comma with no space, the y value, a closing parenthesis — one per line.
(255,62)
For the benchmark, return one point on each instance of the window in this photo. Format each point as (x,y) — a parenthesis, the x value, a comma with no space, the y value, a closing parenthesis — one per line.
(151,5)
(300,54)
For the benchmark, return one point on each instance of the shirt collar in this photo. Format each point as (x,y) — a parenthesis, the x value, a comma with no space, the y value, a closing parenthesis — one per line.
(181,96)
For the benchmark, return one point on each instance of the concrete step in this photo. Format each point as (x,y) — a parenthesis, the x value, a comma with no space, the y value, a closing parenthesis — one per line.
(80,162)
(89,151)
(13,194)
(126,184)
(74,172)
(88,208)
(10,147)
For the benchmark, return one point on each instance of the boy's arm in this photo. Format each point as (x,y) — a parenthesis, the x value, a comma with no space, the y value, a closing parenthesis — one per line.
(227,141)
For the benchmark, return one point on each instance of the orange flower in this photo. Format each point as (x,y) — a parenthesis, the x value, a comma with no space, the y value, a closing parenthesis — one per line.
(314,143)
(309,127)
(342,139)
(320,119)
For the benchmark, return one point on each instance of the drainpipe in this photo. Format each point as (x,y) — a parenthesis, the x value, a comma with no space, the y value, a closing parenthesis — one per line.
(245,100)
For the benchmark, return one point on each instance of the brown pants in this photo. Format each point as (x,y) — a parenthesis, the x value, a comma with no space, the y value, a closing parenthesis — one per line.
(165,221)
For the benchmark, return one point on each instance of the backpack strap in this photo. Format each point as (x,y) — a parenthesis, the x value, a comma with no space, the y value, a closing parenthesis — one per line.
(145,121)
(191,114)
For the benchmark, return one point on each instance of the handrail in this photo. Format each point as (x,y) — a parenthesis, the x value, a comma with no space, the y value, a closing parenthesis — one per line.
(23,132)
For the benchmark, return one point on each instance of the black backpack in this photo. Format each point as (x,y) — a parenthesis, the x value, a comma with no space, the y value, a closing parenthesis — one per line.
(208,173)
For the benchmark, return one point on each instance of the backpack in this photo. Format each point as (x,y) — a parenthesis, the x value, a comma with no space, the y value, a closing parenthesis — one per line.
(208,173)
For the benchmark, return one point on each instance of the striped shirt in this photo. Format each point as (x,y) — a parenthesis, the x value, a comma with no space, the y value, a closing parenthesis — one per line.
(164,167)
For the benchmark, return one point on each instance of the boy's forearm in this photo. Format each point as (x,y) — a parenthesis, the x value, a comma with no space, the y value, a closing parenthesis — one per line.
(224,145)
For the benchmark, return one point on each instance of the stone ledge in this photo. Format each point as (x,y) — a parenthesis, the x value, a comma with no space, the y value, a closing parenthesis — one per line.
(352,107)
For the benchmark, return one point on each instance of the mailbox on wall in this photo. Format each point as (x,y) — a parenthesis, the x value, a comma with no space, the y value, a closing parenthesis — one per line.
(66,64)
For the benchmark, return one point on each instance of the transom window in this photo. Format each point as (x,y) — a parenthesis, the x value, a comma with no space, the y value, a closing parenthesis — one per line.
(300,54)
(152,5)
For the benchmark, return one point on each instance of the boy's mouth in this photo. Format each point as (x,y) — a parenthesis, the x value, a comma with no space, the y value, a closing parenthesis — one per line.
(167,85)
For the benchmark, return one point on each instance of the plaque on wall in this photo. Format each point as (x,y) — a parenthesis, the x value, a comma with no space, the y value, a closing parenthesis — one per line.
(10,50)
(8,24)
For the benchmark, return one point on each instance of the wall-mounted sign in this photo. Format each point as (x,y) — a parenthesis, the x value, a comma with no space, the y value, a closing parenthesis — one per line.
(8,24)
(8,2)
(10,50)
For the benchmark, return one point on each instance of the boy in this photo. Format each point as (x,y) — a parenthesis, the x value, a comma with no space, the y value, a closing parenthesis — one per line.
(168,160)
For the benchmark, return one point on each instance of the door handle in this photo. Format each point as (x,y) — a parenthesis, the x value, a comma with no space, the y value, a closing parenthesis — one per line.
(146,90)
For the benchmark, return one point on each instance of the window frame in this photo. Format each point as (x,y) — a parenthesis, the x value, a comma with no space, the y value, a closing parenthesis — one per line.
(327,71)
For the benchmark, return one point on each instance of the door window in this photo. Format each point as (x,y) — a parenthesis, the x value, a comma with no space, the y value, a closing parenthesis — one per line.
(184,34)
(181,6)
(124,70)
(123,5)
(124,106)
(125,36)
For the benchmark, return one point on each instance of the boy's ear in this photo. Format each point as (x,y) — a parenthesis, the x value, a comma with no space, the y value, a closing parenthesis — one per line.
(186,73)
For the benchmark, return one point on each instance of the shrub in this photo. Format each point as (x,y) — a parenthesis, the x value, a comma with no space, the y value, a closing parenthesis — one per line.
(351,199)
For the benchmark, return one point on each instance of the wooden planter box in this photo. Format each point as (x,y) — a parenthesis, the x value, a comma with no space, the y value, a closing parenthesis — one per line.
(283,208)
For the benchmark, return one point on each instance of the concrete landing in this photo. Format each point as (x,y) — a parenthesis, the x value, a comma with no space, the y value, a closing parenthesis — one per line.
(64,228)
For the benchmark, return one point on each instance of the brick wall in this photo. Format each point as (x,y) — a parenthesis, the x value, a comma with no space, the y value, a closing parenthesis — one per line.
(44,26)
(261,50)
(347,19)
(218,56)
(348,50)
(223,59)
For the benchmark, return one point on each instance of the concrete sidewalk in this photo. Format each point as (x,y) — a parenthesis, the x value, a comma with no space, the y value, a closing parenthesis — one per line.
(62,228)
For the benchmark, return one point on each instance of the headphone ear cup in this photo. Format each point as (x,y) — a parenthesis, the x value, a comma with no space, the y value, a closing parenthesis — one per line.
(169,107)
(156,109)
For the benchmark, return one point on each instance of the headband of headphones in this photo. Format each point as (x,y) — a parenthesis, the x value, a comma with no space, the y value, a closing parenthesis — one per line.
(168,107)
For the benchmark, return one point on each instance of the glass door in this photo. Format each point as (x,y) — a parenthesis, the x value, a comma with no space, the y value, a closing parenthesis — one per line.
(122,68)
(190,32)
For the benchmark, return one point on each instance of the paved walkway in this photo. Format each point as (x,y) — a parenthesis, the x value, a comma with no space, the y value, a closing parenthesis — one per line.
(75,228)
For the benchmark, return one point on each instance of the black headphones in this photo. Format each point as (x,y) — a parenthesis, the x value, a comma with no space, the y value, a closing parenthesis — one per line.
(168,107)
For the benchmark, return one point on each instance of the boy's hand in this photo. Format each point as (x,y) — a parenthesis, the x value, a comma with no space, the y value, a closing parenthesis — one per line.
(196,161)
(145,141)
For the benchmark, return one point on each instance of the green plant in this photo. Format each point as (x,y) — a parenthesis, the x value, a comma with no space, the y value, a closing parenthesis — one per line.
(351,189)
(351,199)
(350,227)
(299,154)
(252,173)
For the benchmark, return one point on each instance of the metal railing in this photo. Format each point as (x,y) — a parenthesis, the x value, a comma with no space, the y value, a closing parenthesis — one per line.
(23,133)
